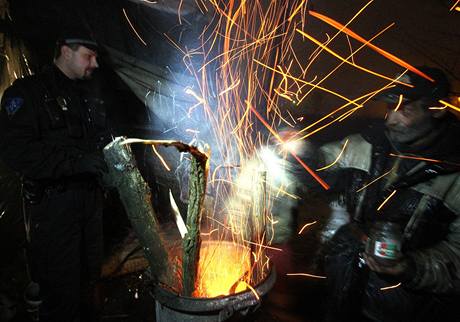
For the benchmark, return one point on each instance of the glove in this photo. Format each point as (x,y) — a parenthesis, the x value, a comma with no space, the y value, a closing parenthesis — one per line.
(91,163)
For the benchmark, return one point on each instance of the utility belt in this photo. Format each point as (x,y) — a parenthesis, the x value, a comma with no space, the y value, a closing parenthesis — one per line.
(33,191)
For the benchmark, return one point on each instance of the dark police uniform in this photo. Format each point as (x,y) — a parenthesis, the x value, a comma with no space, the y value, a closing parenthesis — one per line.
(52,132)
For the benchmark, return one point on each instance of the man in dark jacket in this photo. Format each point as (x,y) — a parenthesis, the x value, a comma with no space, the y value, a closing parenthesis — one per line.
(51,133)
(398,259)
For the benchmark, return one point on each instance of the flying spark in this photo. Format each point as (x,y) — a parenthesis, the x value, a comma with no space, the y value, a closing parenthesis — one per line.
(337,159)
(307,275)
(390,287)
(306,225)
(386,200)
(134,29)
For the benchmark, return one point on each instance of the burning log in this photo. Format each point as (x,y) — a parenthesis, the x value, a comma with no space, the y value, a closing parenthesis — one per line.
(197,188)
(192,241)
(135,196)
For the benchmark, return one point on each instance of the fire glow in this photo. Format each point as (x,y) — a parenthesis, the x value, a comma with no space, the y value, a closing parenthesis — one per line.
(224,269)
(247,73)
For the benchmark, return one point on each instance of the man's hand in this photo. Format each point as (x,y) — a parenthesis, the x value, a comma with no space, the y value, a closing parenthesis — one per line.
(400,267)
(91,163)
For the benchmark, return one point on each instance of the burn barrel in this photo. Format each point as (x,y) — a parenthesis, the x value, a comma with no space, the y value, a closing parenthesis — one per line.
(173,307)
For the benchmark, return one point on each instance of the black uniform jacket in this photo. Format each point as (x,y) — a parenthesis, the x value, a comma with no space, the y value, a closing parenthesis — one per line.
(47,122)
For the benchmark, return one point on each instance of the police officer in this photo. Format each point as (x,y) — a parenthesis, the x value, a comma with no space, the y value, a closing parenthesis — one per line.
(51,133)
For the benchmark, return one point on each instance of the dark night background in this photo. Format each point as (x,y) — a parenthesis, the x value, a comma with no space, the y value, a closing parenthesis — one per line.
(425,33)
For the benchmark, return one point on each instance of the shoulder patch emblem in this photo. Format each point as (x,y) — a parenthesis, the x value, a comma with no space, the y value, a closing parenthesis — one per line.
(13,104)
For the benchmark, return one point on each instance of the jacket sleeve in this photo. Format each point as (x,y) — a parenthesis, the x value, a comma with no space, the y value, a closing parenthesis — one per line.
(437,268)
(22,146)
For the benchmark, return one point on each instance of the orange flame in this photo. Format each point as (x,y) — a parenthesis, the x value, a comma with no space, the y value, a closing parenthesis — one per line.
(224,269)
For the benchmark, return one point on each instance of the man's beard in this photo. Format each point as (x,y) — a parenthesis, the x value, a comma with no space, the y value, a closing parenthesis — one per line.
(88,74)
